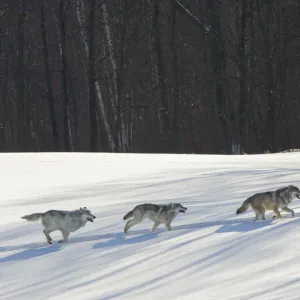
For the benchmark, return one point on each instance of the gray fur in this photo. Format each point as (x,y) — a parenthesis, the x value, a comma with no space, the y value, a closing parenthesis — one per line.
(159,214)
(272,200)
(65,221)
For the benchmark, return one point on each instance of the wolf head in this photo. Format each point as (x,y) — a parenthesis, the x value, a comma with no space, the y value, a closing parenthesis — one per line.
(86,214)
(295,192)
(178,208)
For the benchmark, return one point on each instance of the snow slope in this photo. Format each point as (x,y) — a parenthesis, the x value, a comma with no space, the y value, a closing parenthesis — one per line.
(210,254)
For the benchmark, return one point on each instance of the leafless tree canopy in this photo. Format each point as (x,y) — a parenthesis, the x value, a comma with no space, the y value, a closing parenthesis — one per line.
(163,76)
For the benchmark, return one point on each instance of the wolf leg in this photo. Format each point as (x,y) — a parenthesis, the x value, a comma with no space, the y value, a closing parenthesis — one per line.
(138,217)
(257,214)
(168,226)
(288,210)
(277,213)
(65,235)
(155,225)
(130,224)
(262,211)
(47,235)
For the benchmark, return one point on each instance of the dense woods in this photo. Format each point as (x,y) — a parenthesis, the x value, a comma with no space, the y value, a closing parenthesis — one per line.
(163,76)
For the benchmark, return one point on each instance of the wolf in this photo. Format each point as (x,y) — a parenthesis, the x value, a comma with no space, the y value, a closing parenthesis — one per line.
(65,221)
(272,200)
(159,214)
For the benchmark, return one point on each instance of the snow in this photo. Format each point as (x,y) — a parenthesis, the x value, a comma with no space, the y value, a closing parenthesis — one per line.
(211,253)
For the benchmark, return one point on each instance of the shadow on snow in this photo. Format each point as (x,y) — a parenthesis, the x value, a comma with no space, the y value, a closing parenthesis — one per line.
(32,250)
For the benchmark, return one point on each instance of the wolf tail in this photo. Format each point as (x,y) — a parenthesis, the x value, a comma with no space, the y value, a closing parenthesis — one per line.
(244,207)
(128,215)
(32,217)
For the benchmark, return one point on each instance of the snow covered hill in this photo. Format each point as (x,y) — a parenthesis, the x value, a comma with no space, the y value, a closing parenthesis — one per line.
(210,254)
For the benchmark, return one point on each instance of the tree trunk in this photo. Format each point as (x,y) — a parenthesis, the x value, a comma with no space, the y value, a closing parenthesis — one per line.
(64,80)
(265,22)
(4,112)
(120,133)
(153,74)
(102,112)
(91,74)
(164,107)
(242,79)
(20,81)
(50,97)
(175,97)
(254,119)
(218,59)
(120,123)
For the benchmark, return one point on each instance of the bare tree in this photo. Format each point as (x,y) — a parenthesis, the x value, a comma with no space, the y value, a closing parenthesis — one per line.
(81,21)
(172,76)
(62,15)
(91,75)
(49,90)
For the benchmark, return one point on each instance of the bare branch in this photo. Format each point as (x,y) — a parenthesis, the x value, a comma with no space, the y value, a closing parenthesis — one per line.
(191,17)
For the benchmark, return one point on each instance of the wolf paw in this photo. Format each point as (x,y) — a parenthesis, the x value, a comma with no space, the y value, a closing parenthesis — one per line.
(276,217)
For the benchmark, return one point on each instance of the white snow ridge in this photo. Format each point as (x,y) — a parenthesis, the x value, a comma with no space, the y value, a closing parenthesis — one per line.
(211,253)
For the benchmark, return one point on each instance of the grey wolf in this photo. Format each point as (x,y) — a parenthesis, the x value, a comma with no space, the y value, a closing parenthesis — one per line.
(65,221)
(272,200)
(159,214)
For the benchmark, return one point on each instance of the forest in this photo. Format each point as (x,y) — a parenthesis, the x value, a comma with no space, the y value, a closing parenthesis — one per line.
(150,76)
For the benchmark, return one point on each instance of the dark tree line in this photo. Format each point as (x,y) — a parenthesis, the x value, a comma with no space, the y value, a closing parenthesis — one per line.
(177,76)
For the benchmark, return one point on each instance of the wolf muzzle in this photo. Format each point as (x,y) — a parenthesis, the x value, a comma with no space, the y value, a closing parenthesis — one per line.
(91,219)
(183,210)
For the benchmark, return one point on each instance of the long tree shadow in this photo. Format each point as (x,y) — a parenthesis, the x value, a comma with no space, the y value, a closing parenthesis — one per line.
(245,225)
(129,239)
(226,250)
(22,246)
(236,225)
(137,236)
(31,253)
(116,238)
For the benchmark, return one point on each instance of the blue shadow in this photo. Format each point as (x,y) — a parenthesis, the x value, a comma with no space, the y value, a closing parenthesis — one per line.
(31,253)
